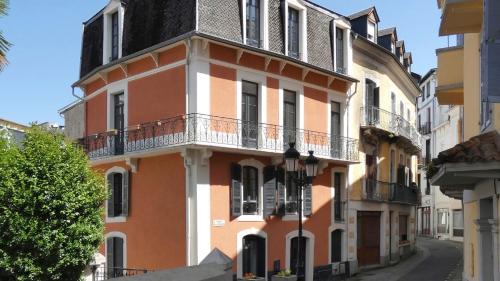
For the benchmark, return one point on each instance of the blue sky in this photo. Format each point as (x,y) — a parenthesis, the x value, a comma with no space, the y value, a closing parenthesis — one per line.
(44,60)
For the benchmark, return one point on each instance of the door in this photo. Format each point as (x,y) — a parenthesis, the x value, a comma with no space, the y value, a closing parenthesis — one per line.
(254,255)
(335,131)
(119,122)
(372,101)
(336,244)
(250,114)
(368,238)
(293,256)
(289,118)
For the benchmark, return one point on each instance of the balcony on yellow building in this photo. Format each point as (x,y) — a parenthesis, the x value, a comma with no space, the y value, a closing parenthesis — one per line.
(450,76)
(460,16)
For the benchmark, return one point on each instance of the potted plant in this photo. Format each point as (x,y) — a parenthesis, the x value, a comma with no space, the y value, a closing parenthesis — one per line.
(284,275)
(252,277)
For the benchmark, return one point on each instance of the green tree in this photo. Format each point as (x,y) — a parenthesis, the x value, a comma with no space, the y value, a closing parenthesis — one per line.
(4,44)
(51,208)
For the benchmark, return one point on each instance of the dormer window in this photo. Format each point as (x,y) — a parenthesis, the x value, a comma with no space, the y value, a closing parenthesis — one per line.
(114,36)
(401,58)
(371,31)
(253,23)
(339,50)
(393,47)
(293,33)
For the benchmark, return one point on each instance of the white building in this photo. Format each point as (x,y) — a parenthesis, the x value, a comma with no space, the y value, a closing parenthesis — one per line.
(438,216)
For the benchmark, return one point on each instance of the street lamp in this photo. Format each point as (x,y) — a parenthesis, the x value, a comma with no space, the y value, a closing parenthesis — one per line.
(297,175)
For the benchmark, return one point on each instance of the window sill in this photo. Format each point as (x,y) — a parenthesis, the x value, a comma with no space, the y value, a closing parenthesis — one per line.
(119,219)
(251,218)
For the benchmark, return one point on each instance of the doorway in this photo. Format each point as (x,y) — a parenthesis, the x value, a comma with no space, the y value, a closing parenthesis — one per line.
(368,242)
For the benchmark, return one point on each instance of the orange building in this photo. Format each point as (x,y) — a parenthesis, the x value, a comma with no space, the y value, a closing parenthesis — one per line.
(188,110)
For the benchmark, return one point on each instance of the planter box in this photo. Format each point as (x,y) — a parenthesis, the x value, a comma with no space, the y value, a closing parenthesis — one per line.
(288,278)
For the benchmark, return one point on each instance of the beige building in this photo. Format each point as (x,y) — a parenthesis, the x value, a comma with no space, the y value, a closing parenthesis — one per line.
(468,76)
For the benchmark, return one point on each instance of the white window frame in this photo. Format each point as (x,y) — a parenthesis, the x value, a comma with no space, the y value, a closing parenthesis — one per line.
(343,192)
(309,251)
(368,26)
(239,248)
(302,9)
(334,96)
(299,91)
(115,89)
(116,234)
(256,78)
(113,6)
(264,22)
(260,170)
(293,217)
(346,31)
(121,218)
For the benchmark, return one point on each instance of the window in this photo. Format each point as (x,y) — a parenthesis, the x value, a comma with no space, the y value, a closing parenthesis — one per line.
(401,109)
(393,47)
(442,221)
(289,117)
(250,114)
(293,33)
(254,256)
(117,205)
(392,170)
(372,102)
(335,130)
(371,31)
(423,93)
(338,202)
(485,114)
(115,257)
(336,246)
(253,23)
(458,223)
(403,228)
(291,193)
(119,123)
(250,181)
(339,50)
(371,171)
(419,121)
(114,36)
(428,89)
(408,115)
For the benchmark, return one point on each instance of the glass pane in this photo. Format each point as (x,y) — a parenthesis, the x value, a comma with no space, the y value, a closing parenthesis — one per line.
(250,190)
(253,23)
(293,32)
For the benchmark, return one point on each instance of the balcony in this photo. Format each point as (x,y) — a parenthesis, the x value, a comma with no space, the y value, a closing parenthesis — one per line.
(450,76)
(425,128)
(460,16)
(390,192)
(392,125)
(198,130)
(340,211)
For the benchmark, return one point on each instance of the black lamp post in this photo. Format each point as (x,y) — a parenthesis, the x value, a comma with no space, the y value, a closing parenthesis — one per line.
(297,175)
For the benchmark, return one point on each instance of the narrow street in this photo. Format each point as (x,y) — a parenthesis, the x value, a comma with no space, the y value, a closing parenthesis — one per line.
(435,260)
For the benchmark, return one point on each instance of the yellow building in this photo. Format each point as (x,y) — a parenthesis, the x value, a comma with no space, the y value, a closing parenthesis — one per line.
(383,193)
(468,76)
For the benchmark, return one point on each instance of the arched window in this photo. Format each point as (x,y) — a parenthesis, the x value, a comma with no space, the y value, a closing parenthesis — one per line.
(254,256)
(115,255)
(118,188)
(250,181)
(336,246)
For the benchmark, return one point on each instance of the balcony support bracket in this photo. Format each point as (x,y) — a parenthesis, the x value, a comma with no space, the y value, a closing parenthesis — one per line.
(155,58)
(322,166)
(282,66)
(239,55)
(205,156)
(124,69)
(330,81)
(305,72)
(132,163)
(268,61)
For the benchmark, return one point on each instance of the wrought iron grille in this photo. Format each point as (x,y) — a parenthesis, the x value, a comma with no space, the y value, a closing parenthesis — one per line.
(391,122)
(101,272)
(340,210)
(206,130)
(390,192)
(376,190)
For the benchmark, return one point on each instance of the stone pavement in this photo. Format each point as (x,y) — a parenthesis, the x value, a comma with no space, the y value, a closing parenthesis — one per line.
(435,260)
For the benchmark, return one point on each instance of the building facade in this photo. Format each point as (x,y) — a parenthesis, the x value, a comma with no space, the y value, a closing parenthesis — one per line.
(439,216)
(468,76)
(188,110)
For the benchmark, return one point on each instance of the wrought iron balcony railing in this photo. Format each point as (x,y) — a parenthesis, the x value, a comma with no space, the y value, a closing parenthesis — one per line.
(339,210)
(101,272)
(206,130)
(391,192)
(390,122)
(425,128)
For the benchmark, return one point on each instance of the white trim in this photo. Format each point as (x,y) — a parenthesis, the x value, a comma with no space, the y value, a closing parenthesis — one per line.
(239,248)
(309,270)
(260,169)
(295,4)
(343,192)
(259,79)
(343,242)
(113,89)
(112,7)
(116,234)
(298,88)
(118,219)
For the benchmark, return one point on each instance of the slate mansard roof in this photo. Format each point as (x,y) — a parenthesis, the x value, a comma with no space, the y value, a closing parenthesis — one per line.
(151,22)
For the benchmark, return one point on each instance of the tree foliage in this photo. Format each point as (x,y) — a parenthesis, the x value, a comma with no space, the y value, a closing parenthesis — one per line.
(50,209)
(4,44)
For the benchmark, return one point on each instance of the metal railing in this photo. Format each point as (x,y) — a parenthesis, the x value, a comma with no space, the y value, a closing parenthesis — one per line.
(206,130)
(425,128)
(101,272)
(390,192)
(391,122)
(339,210)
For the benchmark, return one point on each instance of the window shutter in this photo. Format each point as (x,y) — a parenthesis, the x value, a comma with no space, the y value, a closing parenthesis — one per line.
(118,262)
(109,253)
(280,175)
(307,200)
(111,198)
(376,97)
(269,191)
(125,193)
(236,190)
(490,52)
